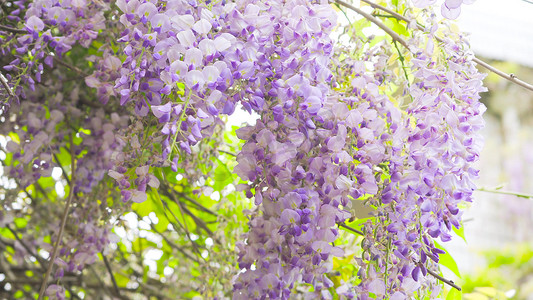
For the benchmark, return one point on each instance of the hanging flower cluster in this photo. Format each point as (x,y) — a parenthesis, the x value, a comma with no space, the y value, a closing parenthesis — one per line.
(333,128)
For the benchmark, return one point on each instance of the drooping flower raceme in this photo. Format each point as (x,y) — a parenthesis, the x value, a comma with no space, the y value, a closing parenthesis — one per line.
(334,127)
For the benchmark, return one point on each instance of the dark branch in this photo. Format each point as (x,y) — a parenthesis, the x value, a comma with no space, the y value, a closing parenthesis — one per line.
(197,204)
(372,19)
(497,191)
(6,86)
(69,66)
(350,228)
(173,245)
(447,281)
(62,226)
(510,77)
(62,169)
(26,247)
(227,152)
(186,231)
(11,29)
(108,267)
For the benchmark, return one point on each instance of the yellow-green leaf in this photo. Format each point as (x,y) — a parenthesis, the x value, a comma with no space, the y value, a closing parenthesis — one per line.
(447,261)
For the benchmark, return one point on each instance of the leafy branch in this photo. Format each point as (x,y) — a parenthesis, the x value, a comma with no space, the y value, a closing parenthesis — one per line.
(63,222)
(503,192)
(511,77)
(390,32)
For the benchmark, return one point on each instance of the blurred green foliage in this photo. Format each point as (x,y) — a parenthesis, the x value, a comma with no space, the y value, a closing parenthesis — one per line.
(508,275)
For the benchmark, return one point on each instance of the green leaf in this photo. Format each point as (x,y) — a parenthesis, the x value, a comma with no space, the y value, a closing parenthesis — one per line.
(141,244)
(9,158)
(144,208)
(64,159)
(162,224)
(6,233)
(460,232)
(447,261)
(122,280)
(47,183)
(21,222)
(454,295)
(14,137)
(222,176)
(359,25)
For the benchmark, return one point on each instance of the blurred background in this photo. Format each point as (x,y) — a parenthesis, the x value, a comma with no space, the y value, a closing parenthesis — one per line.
(496,261)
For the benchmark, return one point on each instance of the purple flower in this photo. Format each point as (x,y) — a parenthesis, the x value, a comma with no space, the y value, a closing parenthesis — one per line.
(289,217)
(146,11)
(34,24)
(162,112)
(202,27)
(160,22)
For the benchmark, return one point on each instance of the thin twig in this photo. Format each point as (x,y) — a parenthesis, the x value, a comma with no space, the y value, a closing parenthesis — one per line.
(447,281)
(344,13)
(28,195)
(3,80)
(186,231)
(402,59)
(351,228)
(67,65)
(75,280)
(496,191)
(62,227)
(72,294)
(372,19)
(196,203)
(186,228)
(4,266)
(173,245)
(5,242)
(11,29)
(108,267)
(38,258)
(227,152)
(510,77)
(100,281)
(387,10)
(71,279)
(41,189)
(198,222)
(62,169)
